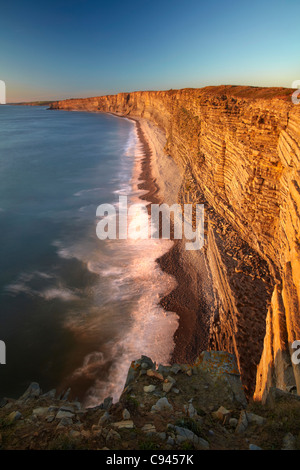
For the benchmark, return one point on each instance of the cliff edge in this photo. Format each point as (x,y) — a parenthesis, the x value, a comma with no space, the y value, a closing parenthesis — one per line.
(198,406)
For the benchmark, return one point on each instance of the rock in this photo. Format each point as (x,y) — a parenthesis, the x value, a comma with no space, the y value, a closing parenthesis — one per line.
(291,388)
(171,379)
(189,372)
(3,402)
(276,395)
(184,434)
(126,424)
(242,423)
(105,419)
(254,447)
(149,429)
(13,417)
(233,422)
(50,418)
(167,386)
(64,414)
(132,374)
(189,410)
(170,441)
(68,408)
(65,396)
(65,422)
(126,414)
(289,442)
(149,388)
(53,409)
(147,360)
(112,437)
(163,369)
(155,374)
(106,405)
(256,419)
(175,368)
(50,394)
(77,405)
(41,411)
(175,390)
(162,436)
(162,405)
(9,405)
(247,418)
(222,414)
(33,391)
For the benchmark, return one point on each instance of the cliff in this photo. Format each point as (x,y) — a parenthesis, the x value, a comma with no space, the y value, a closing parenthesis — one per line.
(239,149)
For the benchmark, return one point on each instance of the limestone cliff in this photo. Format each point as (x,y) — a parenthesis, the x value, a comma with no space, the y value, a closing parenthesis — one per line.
(240,148)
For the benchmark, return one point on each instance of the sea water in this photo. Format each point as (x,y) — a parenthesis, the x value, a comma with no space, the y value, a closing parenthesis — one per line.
(74,310)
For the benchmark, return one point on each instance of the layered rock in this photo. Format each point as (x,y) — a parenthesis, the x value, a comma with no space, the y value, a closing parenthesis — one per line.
(241,147)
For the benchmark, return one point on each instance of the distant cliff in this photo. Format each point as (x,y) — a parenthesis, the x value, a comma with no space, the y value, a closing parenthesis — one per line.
(240,148)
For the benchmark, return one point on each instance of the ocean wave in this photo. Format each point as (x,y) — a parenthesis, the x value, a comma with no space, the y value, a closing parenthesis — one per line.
(84,191)
(22,286)
(59,293)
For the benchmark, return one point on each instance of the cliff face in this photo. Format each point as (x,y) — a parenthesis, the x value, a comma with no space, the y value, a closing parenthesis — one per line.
(240,150)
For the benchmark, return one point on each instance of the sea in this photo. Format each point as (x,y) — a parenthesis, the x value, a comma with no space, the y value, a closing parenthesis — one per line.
(74,310)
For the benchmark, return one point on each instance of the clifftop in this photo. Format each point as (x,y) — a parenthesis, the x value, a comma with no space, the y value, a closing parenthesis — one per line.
(199,406)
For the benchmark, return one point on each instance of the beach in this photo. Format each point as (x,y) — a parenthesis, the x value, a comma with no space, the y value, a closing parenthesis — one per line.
(162,179)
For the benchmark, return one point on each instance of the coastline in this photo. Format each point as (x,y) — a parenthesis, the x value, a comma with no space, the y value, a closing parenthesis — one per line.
(162,180)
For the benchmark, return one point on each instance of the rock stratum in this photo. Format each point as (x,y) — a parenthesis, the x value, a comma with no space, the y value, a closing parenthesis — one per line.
(239,150)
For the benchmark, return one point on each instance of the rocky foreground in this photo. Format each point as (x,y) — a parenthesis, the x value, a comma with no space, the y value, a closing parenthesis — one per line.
(188,407)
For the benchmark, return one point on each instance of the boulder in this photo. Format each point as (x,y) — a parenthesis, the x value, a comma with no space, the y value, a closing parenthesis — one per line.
(167,386)
(289,442)
(149,388)
(222,414)
(125,424)
(125,414)
(254,447)
(33,391)
(13,417)
(41,411)
(155,374)
(162,405)
(184,434)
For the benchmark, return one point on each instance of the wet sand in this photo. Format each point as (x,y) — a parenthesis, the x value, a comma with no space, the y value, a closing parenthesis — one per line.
(187,299)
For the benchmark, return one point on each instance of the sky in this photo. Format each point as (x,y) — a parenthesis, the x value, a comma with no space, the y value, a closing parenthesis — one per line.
(75,48)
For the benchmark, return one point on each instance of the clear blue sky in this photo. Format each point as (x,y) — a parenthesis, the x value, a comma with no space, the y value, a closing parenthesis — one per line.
(73,48)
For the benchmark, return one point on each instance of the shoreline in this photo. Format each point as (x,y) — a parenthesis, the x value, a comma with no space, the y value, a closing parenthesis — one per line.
(191,336)
(188,299)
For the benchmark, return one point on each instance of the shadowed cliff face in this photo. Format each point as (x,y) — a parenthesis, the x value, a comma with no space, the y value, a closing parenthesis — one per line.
(240,148)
